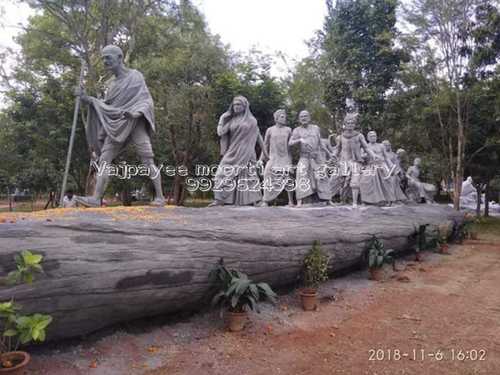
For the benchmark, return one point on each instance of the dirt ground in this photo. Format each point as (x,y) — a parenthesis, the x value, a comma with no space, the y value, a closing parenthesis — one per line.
(440,316)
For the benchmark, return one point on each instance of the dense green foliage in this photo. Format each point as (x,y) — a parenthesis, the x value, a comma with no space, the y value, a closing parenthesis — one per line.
(191,75)
(361,60)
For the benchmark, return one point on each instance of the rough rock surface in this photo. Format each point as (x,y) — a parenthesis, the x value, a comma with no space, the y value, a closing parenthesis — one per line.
(104,266)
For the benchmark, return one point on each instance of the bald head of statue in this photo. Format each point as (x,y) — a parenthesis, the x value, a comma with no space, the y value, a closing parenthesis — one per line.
(112,57)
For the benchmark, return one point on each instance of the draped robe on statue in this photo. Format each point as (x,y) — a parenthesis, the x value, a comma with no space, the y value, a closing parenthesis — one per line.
(236,181)
(311,171)
(376,185)
(278,168)
(128,93)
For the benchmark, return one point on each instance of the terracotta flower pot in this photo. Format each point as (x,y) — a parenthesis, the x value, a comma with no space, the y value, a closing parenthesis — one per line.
(443,249)
(18,360)
(236,320)
(376,274)
(309,298)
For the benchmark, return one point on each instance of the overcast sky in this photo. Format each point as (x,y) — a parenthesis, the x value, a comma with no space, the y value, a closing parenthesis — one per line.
(269,25)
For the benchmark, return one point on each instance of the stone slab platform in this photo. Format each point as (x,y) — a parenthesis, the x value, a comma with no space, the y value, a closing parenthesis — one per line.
(109,265)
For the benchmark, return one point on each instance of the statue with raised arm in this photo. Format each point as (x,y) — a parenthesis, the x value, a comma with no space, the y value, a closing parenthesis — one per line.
(124,117)
(417,190)
(279,166)
(311,172)
(349,153)
(236,181)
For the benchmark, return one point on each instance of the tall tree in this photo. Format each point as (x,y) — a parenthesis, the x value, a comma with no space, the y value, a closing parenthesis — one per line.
(457,31)
(362,60)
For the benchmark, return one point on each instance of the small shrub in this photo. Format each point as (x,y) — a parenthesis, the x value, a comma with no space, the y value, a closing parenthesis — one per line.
(378,255)
(315,267)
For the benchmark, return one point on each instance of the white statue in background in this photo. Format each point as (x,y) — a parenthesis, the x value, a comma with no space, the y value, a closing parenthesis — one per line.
(468,196)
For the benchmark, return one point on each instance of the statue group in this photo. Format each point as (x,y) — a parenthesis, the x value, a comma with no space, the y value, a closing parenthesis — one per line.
(350,169)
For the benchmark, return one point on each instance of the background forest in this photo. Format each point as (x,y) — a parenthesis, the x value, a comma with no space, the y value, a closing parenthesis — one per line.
(423,73)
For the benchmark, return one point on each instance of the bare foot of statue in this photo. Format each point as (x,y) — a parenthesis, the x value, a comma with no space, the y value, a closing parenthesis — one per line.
(263,204)
(299,203)
(291,204)
(216,203)
(88,201)
(158,202)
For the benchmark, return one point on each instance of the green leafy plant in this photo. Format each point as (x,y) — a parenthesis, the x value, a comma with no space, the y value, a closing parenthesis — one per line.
(470,225)
(378,255)
(315,266)
(237,292)
(19,329)
(424,240)
(32,328)
(434,239)
(27,264)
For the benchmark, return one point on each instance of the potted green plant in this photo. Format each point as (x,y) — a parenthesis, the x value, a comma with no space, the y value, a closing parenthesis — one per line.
(421,243)
(468,229)
(237,294)
(19,329)
(441,241)
(378,255)
(442,238)
(315,271)
(473,229)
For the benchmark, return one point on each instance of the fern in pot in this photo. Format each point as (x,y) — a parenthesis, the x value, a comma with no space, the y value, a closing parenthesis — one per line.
(238,294)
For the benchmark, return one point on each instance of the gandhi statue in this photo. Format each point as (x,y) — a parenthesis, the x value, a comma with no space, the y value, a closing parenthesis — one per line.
(124,117)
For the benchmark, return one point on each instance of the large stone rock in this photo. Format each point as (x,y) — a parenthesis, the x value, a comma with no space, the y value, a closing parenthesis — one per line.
(104,266)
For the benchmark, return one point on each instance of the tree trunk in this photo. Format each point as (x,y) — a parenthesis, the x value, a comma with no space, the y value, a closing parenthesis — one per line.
(126,199)
(486,199)
(178,187)
(478,202)
(459,172)
(108,266)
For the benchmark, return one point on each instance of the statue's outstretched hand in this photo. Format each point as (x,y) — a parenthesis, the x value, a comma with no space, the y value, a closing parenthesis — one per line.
(131,115)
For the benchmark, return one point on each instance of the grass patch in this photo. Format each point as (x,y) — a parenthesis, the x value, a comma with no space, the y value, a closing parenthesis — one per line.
(488,225)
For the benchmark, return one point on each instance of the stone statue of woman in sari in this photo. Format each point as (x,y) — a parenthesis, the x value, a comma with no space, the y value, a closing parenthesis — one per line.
(236,181)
